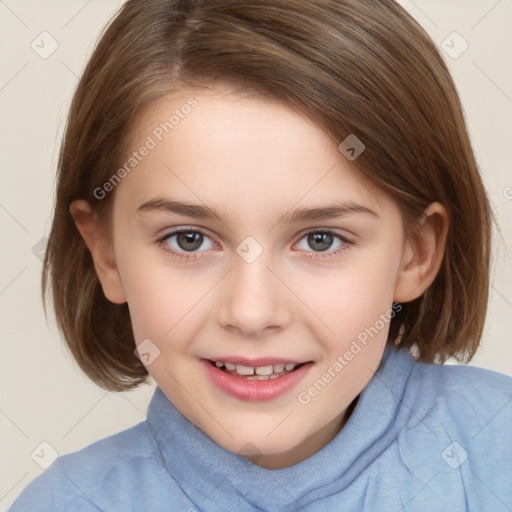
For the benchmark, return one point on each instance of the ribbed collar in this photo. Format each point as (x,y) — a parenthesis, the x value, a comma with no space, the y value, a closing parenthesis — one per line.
(210,474)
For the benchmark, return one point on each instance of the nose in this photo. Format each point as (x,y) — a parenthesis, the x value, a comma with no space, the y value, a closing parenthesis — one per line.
(255,300)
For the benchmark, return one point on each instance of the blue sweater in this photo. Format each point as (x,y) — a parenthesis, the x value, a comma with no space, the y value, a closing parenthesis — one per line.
(422,437)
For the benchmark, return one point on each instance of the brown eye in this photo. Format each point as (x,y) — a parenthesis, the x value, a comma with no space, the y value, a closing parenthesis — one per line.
(183,242)
(322,241)
(319,244)
(189,240)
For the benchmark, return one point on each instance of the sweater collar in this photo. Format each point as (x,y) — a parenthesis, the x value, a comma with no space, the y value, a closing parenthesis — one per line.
(210,474)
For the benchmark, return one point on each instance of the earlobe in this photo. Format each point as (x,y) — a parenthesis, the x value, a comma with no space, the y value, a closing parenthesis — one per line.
(100,249)
(422,254)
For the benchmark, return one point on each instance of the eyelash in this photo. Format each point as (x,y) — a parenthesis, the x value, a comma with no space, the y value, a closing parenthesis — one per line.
(186,257)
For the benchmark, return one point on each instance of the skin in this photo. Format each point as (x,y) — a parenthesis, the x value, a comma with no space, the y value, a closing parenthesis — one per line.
(255,160)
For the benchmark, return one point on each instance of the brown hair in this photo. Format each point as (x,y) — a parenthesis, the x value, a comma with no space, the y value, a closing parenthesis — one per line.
(364,68)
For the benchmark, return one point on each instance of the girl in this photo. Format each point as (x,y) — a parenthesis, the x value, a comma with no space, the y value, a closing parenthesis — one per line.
(210,146)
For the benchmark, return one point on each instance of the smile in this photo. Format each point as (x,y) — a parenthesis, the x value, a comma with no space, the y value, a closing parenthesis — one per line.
(256,373)
(255,383)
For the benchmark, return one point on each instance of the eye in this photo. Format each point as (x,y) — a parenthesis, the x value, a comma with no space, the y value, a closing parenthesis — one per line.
(320,241)
(183,243)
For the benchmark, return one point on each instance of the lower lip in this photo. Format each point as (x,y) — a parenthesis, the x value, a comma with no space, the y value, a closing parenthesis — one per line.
(255,390)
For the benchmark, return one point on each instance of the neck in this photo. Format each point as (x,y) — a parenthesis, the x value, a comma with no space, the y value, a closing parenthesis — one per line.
(309,446)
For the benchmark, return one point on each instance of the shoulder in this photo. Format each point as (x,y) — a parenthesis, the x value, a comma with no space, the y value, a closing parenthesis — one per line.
(84,480)
(469,395)
(455,431)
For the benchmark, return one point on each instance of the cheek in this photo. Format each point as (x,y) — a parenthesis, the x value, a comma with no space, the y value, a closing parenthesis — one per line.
(164,301)
(347,301)
(159,299)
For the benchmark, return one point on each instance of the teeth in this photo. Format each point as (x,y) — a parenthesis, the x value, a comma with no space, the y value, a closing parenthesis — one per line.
(265,372)
(243,370)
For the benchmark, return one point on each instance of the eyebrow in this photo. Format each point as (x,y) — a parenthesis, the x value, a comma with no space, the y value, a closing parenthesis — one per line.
(197,211)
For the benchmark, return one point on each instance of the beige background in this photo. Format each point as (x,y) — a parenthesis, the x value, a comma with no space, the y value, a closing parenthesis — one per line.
(45,398)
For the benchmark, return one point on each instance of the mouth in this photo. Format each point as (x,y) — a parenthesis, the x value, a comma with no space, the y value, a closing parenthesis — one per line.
(263,372)
(263,381)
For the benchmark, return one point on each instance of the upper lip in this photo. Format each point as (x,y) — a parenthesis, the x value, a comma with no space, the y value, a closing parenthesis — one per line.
(254,363)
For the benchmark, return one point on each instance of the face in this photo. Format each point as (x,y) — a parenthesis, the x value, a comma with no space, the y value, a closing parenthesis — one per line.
(262,286)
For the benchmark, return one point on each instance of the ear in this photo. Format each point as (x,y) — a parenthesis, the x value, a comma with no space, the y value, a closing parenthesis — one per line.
(422,254)
(101,250)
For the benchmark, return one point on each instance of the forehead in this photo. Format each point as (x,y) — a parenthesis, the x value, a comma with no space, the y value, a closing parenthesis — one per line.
(251,153)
